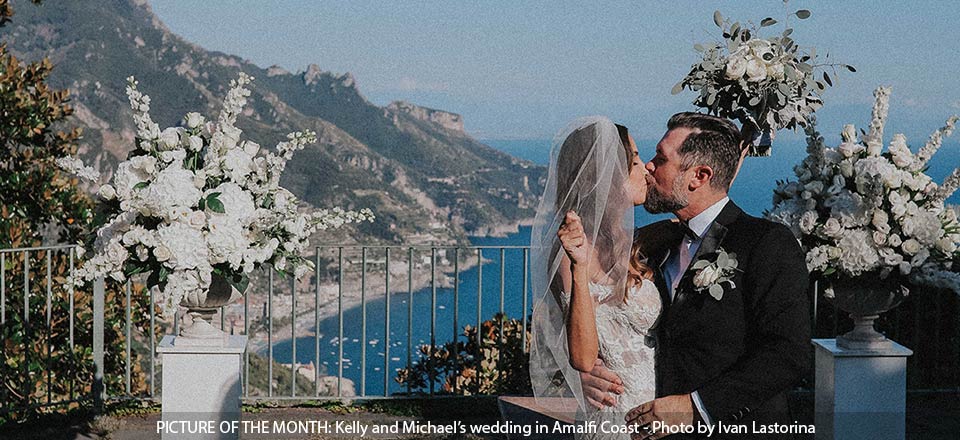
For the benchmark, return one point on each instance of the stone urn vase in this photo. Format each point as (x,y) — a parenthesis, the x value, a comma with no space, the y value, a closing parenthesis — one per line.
(195,325)
(865,298)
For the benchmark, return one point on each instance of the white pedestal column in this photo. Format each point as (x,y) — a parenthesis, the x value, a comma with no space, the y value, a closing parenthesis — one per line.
(861,394)
(201,388)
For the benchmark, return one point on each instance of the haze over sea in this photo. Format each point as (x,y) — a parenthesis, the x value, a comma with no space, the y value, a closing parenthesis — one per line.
(752,191)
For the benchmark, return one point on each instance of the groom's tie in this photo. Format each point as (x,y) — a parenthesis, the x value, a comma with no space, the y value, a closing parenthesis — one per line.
(684,260)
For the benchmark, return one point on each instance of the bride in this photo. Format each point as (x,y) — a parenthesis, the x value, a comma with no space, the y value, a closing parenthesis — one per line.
(594,296)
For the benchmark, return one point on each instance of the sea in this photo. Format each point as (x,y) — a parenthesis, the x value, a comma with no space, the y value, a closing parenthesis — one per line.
(752,191)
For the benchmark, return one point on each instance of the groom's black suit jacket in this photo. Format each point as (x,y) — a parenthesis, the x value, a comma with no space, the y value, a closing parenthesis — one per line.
(744,352)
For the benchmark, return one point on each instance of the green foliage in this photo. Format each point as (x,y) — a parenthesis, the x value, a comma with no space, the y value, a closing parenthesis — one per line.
(498,365)
(40,204)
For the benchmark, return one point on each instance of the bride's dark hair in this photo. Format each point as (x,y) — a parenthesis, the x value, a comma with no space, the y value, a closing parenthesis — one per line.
(574,191)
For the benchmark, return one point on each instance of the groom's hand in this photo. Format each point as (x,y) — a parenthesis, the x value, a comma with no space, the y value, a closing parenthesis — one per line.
(669,411)
(600,385)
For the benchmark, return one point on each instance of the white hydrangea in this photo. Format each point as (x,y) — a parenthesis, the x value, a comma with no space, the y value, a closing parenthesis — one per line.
(237,203)
(227,240)
(924,226)
(187,247)
(859,254)
(173,188)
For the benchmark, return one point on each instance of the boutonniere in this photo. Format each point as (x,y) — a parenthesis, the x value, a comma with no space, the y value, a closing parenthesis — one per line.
(711,275)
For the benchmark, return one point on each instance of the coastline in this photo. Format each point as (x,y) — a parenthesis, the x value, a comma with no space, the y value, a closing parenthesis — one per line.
(329,304)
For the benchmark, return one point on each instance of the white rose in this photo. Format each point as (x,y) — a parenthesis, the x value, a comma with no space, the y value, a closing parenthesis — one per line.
(879,238)
(881,221)
(706,277)
(170,138)
(947,245)
(834,252)
(736,68)
(910,247)
(197,219)
(756,71)
(107,192)
(832,227)
(173,156)
(894,240)
(891,257)
(194,119)
(196,143)
(808,221)
(116,253)
(162,253)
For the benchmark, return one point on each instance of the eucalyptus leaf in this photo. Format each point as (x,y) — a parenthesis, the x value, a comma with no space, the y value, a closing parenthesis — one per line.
(827,79)
(700,264)
(850,68)
(718,18)
(803,14)
(141,185)
(698,47)
(716,291)
(722,259)
(787,32)
(768,22)
(677,88)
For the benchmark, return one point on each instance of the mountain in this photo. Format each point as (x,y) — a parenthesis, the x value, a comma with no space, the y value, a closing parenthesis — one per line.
(425,178)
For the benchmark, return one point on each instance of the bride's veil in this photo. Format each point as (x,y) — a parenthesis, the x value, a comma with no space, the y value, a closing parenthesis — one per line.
(588,174)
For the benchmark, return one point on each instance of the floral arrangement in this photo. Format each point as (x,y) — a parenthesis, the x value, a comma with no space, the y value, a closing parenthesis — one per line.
(858,210)
(711,275)
(196,200)
(766,83)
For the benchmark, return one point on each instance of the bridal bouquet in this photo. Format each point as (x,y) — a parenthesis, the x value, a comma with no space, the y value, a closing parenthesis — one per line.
(766,83)
(196,200)
(860,210)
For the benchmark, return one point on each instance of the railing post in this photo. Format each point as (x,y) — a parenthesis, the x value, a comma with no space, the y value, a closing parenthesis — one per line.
(99,391)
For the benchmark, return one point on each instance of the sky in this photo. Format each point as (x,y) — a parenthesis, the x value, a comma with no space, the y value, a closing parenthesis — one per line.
(523,69)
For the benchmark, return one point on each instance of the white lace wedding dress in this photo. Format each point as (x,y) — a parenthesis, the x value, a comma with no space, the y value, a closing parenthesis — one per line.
(622,328)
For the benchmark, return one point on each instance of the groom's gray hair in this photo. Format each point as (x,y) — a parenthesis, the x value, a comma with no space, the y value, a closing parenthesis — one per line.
(714,142)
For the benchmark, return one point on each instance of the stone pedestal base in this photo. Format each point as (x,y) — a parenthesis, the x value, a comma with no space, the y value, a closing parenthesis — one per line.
(861,394)
(201,388)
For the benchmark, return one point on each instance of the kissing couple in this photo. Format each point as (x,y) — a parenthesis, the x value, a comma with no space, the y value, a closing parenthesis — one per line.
(675,327)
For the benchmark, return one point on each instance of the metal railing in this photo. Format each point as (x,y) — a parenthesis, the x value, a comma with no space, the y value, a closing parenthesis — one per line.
(435,285)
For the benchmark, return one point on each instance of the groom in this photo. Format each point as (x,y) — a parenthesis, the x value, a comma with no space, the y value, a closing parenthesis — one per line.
(724,354)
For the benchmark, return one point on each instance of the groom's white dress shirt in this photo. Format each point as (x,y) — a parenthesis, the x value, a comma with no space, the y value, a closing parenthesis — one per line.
(679,260)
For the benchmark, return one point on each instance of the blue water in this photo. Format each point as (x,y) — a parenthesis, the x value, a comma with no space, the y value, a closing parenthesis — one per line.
(441,322)
(752,191)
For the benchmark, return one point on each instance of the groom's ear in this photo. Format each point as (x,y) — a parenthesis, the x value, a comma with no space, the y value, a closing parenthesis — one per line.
(702,175)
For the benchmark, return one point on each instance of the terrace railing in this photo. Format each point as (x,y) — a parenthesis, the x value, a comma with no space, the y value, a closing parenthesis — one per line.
(377,304)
